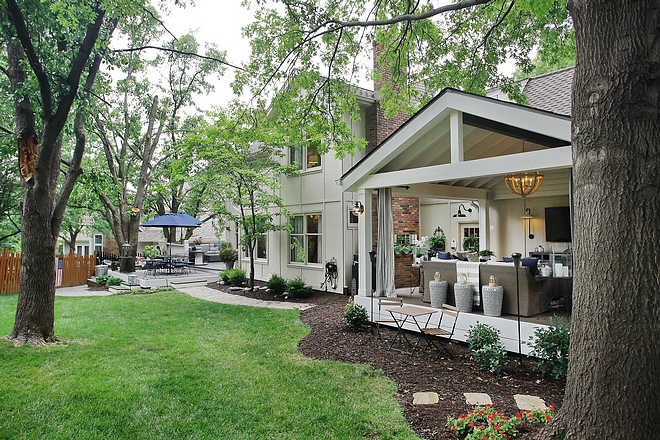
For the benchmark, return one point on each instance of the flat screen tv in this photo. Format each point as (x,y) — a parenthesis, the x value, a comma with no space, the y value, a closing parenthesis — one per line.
(558,224)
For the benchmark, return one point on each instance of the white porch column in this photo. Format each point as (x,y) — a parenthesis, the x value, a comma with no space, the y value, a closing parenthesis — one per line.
(484,225)
(456,136)
(365,243)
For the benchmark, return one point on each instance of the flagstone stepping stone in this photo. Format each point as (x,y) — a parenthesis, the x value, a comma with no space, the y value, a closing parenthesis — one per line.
(427,398)
(529,402)
(478,399)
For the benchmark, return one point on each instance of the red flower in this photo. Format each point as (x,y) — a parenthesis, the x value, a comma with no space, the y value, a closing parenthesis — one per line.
(548,418)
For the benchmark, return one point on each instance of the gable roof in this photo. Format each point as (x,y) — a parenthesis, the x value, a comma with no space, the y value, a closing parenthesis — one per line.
(459,137)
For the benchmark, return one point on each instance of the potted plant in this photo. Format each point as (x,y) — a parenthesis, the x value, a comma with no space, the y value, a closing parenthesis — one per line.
(398,249)
(150,252)
(407,249)
(486,254)
(228,256)
(437,242)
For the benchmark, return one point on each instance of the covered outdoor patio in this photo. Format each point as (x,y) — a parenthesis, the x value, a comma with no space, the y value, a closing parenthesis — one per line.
(459,148)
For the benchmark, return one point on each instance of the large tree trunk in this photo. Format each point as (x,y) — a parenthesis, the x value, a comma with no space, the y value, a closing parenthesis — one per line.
(35,316)
(613,385)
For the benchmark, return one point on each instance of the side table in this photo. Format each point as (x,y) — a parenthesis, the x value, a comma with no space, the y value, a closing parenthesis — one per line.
(493,296)
(438,293)
(463,295)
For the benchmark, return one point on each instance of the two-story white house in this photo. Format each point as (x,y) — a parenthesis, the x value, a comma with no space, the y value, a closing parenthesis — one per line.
(456,150)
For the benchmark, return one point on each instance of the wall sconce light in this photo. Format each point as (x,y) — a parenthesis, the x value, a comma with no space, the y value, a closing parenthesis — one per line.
(528,216)
(358,208)
(524,185)
(459,213)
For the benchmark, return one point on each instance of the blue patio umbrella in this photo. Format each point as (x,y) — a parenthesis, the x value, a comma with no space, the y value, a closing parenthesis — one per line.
(172,220)
(189,217)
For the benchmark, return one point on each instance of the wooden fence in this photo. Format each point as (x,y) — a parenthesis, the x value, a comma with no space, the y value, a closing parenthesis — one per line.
(71,270)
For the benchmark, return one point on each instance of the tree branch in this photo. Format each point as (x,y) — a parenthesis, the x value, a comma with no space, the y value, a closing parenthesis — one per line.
(405,17)
(16,16)
(180,52)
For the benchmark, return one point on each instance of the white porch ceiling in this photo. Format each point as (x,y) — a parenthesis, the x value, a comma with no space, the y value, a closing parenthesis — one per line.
(417,159)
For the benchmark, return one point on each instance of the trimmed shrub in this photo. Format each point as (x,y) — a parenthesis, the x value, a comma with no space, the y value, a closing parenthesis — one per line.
(228,255)
(102,280)
(487,349)
(297,288)
(355,316)
(276,284)
(114,281)
(550,346)
(233,277)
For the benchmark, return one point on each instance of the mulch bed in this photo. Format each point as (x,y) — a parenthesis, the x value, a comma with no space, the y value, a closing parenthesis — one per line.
(330,338)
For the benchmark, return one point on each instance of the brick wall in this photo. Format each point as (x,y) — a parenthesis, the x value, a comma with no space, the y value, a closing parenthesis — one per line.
(405,210)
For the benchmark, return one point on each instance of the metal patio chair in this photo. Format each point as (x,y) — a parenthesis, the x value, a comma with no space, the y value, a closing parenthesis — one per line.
(440,336)
(382,304)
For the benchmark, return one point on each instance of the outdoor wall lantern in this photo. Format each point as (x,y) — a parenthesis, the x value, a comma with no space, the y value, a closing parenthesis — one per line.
(459,213)
(524,185)
(358,208)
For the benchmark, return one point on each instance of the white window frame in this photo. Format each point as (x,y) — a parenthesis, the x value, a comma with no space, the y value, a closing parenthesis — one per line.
(303,238)
(98,244)
(303,165)
(256,247)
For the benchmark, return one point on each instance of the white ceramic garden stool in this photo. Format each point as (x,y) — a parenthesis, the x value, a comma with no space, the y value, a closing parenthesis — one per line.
(464,297)
(438,293)
(493,296)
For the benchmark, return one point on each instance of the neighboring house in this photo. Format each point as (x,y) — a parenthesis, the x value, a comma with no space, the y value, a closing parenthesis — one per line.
(86,244)
(457,149)
(210,232)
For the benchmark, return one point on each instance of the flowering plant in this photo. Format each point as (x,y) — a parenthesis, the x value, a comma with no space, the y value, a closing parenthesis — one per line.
(484,423)
(537,415)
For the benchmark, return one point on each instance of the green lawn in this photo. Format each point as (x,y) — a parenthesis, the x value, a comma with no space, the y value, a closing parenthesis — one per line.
(168,366)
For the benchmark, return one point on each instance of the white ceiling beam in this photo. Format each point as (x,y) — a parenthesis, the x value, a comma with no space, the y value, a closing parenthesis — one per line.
(554,158)
(441,191)
(526,118)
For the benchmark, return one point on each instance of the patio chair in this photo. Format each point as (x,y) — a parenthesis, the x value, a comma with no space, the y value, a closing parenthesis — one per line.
(440,336)
(150,267)
(180,267)
(382,304)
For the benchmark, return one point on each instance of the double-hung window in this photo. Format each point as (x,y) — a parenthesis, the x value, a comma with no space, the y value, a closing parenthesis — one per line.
(306,158)
(261,249)
(306,234)
(98,243)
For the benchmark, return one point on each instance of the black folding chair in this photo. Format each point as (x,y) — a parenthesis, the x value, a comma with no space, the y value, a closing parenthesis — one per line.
(440,336)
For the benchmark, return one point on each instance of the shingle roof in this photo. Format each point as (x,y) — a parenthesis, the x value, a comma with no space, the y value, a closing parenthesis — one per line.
(551,91)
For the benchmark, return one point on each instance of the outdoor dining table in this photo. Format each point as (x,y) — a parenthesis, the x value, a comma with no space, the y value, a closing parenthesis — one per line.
(400,315)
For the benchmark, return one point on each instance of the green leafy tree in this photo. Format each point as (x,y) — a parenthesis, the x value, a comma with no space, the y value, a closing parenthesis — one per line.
(54,52)
(241,154)
(173,187)
(613,379)
(134,125)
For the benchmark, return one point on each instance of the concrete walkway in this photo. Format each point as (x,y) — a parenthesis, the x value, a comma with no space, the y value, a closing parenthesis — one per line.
(205,293)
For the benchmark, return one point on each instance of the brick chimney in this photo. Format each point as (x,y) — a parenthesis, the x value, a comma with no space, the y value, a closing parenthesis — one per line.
(405,210)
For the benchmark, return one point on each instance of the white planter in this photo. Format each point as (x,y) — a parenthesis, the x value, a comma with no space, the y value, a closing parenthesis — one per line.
(463,295)
(493,296)
(438,293)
